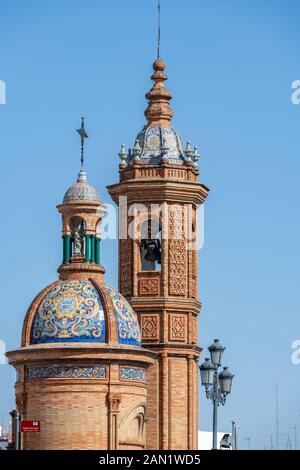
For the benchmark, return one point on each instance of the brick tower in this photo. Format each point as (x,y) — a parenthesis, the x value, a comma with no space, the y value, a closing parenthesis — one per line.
(158,195)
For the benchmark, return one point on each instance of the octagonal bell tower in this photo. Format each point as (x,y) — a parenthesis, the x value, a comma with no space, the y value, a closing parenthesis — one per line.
(158,195)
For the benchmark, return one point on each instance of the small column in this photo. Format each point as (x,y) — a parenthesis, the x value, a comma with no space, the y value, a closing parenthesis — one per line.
(92,248)
(113,418)
(97,250)
(88,248)
(165,444)
(66,248)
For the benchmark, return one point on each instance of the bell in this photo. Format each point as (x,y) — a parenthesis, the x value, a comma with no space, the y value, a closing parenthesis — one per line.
(152,253)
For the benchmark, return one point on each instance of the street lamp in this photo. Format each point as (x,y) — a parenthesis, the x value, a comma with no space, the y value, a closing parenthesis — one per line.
(207,372)
(248,440)
(217,385)
(216,352)
(225,380)
(295,436)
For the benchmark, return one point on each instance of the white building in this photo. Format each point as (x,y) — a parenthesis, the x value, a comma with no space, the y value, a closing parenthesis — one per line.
(205,439)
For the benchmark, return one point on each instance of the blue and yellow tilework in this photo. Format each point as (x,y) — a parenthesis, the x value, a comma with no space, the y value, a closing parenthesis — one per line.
(70,312)
(127,323)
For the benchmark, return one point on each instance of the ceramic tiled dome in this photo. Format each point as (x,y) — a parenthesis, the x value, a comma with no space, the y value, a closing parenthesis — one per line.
(81,190)
(74,311)
(159,142)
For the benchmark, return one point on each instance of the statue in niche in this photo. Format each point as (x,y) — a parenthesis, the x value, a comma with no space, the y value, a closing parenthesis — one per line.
(77,243)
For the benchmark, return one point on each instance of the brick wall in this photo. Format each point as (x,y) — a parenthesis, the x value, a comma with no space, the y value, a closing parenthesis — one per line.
(69,419)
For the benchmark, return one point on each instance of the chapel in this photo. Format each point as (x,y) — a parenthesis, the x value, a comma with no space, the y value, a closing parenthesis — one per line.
(106,367)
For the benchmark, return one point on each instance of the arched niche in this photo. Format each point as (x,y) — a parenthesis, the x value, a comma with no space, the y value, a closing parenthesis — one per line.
(78,240)
(132,428)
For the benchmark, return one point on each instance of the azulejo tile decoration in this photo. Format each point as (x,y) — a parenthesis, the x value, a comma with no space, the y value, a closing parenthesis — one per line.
(127,323)
(70,312)
(41,373)
(81,190)
(153,139)
(133,374)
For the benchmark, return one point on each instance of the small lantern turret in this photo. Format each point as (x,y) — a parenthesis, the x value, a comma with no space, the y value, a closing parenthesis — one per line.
(82,213)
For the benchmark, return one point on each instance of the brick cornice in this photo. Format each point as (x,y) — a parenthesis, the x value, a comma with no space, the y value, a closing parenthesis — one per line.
(42,353)
(165,303)
(174,349)
(81,271)
(159,190)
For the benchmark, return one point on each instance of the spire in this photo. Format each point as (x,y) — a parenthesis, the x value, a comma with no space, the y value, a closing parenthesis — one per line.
(158,29)
(158,112)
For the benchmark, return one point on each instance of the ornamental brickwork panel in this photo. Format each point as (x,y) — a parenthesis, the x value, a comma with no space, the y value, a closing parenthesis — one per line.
(178,328)
(125,257)
(177,252)
(149,286)
(194,330)
(194,284)
(150,327)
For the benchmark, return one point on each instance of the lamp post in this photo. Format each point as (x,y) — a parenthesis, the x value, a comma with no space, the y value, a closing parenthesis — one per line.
(217,385)
(295,436)
(248,440)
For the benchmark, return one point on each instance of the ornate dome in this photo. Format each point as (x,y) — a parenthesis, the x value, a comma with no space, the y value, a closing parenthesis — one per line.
(76,311)
(81,190)
(159,142)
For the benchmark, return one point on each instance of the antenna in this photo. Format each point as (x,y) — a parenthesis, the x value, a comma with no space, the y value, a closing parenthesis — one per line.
(158,29)
(83,135)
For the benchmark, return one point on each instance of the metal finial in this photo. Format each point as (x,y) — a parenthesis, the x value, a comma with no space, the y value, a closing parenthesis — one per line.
(158,29)
(83,135)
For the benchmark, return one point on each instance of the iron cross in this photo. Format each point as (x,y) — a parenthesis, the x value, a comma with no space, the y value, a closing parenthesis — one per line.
(83,135)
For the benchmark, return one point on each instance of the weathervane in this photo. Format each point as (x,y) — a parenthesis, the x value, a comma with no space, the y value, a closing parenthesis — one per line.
(83,135)
(158,29)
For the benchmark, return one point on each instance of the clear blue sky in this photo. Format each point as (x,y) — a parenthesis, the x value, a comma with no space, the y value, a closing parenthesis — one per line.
(230,66)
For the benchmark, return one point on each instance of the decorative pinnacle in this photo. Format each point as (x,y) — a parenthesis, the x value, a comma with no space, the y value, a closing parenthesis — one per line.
(196,154)
(188,151)
(83,135)
(137,150)
(158,112)
(123,155)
